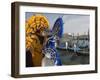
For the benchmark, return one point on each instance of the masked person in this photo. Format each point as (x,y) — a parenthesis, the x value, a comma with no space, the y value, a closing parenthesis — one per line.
(35,25)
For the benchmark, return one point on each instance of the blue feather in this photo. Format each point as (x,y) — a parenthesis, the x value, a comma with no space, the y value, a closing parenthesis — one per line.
(58,25)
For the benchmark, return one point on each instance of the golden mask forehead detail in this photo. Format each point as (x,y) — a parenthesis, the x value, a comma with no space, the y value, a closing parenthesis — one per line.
(33,24)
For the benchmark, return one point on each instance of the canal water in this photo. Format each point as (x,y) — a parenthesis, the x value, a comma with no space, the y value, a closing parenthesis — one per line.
(71,58)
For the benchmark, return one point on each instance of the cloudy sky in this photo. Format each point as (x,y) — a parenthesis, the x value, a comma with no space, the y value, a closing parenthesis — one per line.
(73,23)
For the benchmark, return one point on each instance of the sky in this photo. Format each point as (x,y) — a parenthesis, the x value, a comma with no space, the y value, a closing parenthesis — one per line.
(73,23)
